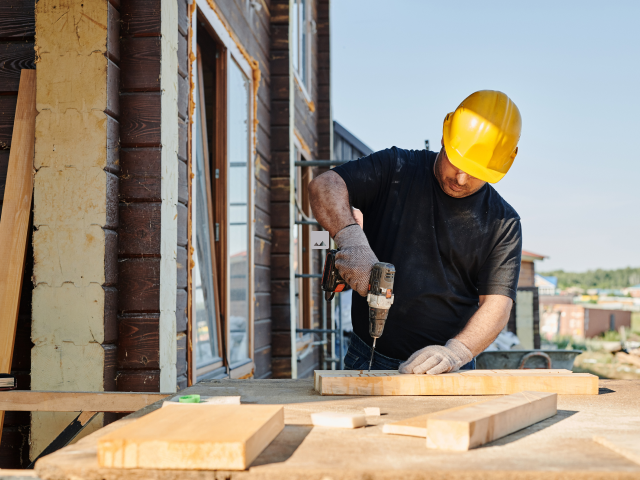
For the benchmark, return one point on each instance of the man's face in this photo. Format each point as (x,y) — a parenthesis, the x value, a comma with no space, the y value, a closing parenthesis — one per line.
(453,181)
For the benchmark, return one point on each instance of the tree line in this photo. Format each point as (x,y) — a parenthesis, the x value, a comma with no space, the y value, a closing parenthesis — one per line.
(606,279)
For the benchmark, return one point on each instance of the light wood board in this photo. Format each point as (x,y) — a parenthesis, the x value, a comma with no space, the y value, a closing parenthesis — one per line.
(34,401)
(417,426)
(193,437)
(471,382)
(485,422)
(14,221)
(625,444)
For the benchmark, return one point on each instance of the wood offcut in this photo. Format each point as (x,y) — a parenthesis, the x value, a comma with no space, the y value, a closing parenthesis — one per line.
(485,422)
(193,437)
(472,382)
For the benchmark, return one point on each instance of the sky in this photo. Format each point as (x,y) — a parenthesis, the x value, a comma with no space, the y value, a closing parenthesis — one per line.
(571,67)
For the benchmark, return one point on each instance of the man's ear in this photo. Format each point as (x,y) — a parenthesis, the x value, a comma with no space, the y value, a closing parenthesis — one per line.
(442,141)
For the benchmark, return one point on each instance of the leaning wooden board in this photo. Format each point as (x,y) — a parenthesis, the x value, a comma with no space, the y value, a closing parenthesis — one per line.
(193,437)
(472,382)
(485,422)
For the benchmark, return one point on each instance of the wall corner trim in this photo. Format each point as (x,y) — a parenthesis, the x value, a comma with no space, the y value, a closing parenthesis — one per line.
(169,138)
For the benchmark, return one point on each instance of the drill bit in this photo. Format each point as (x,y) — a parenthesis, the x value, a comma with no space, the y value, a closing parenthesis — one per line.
(373,349)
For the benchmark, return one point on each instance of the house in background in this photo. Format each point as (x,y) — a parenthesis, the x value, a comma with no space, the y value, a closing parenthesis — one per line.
(580,321)
(347,146)
(633,291)
(546,285)
(169,232)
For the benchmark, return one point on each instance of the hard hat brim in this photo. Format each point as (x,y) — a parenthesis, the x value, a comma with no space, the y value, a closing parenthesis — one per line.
(467,166)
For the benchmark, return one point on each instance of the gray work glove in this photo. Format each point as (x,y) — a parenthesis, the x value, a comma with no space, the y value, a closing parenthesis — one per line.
(436,359)
(355,259)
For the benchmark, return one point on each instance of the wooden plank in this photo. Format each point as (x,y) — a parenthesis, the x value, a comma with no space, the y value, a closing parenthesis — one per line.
(141,175)
(262,224)
(478,382)
(14,222)
(181,265)
(262,251)
(181,310)
(262,277)
(35,401)
(139,230)
(262,308)
(485,422)
(262,329)
(193,437)
(626,444)
(139,381)
(262,360)
(139,285)
(183,215)
(140,64)
(138,342)
(417,426)
(140,18)
(140,120)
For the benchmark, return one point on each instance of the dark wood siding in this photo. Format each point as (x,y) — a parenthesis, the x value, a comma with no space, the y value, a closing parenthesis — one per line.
(312,127)
(140,197)
(17,30)
(280,179)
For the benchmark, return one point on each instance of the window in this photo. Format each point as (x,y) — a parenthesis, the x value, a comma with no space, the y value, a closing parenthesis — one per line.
(238,192)
(222,208)
(207,348)
(301,40)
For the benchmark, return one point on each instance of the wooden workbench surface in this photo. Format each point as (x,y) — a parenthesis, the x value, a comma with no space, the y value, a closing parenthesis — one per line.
(559,447)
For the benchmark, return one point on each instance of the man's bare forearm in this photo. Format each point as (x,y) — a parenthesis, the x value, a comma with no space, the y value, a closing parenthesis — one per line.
(486,323)
(329,199)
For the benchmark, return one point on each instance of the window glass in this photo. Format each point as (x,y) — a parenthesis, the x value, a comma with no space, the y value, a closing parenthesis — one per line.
(304,34)
(238,151)
(300,43)
(205,324)
(296,35)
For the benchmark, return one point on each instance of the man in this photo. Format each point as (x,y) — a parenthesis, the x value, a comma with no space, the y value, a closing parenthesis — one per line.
(455,243)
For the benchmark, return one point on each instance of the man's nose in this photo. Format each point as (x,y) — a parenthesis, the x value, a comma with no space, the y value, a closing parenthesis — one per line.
(461,177)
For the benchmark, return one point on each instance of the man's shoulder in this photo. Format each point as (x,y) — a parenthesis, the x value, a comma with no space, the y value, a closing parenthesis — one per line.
(500,207)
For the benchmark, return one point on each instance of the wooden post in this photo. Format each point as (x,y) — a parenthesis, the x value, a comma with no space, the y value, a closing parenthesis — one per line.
(14,223)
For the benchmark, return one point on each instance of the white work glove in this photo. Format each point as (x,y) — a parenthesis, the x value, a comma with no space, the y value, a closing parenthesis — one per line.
(355,259)
(436,359)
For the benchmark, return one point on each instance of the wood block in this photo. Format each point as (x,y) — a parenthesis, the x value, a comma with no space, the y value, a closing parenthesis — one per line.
(338,420)
(485,422)
(372,411)
(417,426)
(193,437)
(625,444)
(478,382)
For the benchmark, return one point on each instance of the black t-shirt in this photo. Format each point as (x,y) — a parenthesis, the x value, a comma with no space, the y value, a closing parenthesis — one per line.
(447,251)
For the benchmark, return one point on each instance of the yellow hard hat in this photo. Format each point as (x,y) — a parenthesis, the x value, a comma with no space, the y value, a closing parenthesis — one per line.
(481,136)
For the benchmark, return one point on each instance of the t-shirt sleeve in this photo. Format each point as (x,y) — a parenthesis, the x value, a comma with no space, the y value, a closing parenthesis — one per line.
(499,274)
(367,177)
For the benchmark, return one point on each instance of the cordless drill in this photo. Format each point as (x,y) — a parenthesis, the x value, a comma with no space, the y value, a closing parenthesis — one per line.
(380,297)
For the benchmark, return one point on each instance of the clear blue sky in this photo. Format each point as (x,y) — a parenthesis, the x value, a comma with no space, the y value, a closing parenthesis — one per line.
(573,69)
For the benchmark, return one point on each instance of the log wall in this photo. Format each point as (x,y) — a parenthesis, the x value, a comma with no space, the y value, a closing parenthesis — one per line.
(140,199)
